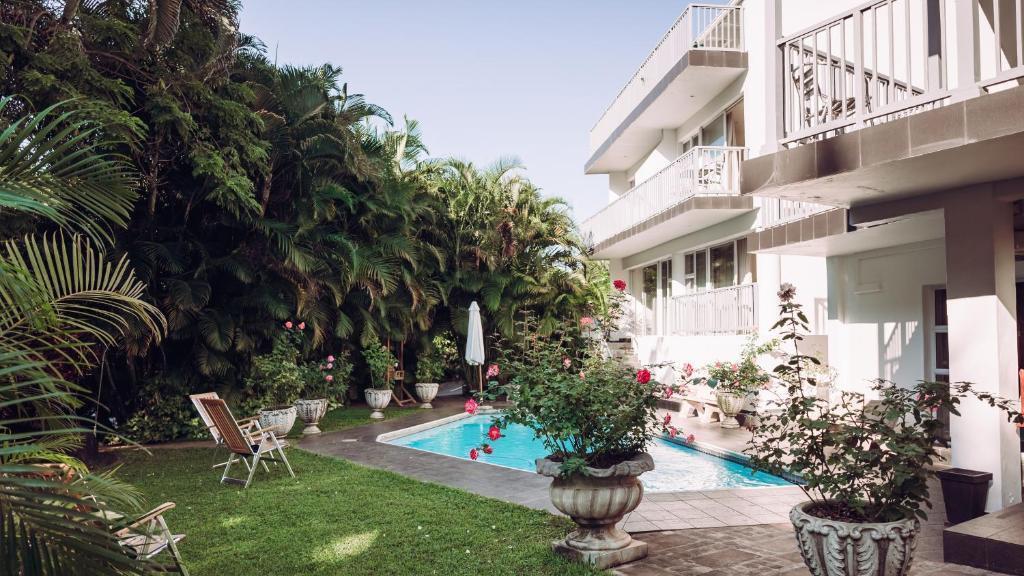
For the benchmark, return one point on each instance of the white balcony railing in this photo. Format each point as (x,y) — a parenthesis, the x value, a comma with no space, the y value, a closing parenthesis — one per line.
(701,26)
(890,58)
(705,170)
(777,211)
(731,310)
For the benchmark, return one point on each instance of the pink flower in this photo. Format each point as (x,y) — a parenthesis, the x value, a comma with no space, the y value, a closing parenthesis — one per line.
(487,449)
(471,406)
(583,375)
(288,325)
(643,376)
(330,366)
(330,358)
(329,378)
(735,368)
(668,392)
(566,362)
(586,321)
(302,325)
(493,371)
(691,438)
(672,431)
(473,454)
(688,369)
(494,433)
(667,420)
(620,285)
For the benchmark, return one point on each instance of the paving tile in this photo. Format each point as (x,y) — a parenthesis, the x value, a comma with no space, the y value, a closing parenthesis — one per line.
(672,524)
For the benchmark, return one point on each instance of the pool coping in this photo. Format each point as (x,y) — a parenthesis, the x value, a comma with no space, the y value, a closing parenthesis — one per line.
(703,447)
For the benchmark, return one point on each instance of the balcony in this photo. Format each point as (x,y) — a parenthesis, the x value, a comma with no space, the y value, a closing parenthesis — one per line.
(698,189)
(896,98)
(731,310)
(696,59)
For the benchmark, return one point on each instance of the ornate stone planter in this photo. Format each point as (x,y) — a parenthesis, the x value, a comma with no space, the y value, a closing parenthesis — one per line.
(311,411)
(731,405)
(833,548)
(279,418)
(378,400)
(427,391)
(596,502)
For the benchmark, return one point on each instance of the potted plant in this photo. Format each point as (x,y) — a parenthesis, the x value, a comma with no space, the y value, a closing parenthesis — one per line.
(378,361)
(865,464)
(429,370)
(325,384)
(276,379)
(596,418)
(734,382)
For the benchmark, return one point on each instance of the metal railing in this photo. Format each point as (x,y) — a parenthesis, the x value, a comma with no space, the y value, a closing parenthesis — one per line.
(731,310)
(887,59)
(778,211)
(702,170)
(701,26)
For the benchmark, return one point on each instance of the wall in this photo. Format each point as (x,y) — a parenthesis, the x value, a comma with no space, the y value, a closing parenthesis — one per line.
(876,312)
(662,155)
(800,14)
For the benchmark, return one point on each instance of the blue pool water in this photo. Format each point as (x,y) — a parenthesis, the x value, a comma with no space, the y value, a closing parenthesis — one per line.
(675,467)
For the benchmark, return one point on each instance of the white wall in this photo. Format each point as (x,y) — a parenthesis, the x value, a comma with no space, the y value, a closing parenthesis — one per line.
(876,312)
(799,14)
(662,155)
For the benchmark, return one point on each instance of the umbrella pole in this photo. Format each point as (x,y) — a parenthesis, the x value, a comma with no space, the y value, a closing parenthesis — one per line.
(480,373)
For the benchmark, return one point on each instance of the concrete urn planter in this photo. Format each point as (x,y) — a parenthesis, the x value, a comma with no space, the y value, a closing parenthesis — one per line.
(310,412)
(731,405)
(596,502)
(278,418)
(834,548)
(378,400)
(427,391)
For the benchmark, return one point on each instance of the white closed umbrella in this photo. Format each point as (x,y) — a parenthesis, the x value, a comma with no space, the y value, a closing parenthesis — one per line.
(475,341)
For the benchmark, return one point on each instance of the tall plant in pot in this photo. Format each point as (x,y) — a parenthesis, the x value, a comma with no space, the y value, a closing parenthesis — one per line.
(276,381)
(596,418)
(865,464)
(735,382)
(326,383)
(378,362)
(429,370)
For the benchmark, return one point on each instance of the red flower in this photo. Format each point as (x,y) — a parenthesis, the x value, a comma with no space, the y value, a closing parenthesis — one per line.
(288,325)
(690,438)
(668,418)
(672,431)
(494,433)
(473,454)
(620,285)
(643,376)
(488,449)
(302,325)
(471,406)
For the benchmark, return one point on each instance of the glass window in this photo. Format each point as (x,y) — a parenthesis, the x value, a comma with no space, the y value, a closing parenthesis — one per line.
(744,262)
(714,133)
(723,265)
(702,270)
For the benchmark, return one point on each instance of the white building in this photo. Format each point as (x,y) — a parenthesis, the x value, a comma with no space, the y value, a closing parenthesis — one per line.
(871,154)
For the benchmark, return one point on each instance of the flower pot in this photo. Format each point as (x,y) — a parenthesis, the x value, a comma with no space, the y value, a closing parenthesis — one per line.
(834,548)
(427,391)
(311,411)
(731,405)
(278,418)
(964,492)
(596,502)
(377,400)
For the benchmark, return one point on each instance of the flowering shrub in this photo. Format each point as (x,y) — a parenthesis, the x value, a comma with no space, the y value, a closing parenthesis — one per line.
(329,378)
(588,410)
(743,377)
(275,378)
(860,462)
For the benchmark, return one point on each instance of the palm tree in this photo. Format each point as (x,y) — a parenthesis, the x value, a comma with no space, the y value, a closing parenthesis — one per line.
(62,302)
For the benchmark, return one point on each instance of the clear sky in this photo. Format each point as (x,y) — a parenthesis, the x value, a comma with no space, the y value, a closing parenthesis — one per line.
(484,78)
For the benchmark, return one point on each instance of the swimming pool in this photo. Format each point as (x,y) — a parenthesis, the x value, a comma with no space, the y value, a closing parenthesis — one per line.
(676,467)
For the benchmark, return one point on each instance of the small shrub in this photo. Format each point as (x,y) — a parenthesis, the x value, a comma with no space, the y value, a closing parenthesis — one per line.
(378,360)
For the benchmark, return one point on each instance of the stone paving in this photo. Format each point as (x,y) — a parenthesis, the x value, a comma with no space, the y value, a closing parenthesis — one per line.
(745,507)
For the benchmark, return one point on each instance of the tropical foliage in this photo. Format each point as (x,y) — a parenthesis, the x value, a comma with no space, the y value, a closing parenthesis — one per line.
(269,193)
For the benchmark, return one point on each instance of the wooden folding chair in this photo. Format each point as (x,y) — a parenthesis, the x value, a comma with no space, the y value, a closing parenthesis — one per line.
(252,446)
(217,438)
(148,536)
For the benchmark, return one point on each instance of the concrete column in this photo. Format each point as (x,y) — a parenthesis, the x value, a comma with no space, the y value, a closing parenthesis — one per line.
(966,62)
(983,335)
(773,63)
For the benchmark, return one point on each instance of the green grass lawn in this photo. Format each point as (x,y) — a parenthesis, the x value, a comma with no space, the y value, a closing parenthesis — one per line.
(337,518)
(352,416)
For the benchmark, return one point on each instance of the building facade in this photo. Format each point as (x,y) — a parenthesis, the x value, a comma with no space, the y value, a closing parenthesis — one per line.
(871,154)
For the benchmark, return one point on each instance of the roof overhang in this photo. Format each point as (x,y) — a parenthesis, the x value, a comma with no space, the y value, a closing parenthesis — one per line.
(968,142)
(693,82)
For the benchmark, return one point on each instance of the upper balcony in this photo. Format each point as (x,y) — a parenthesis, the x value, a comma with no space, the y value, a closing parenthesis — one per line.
(698,189)
(896,98)
(696,60)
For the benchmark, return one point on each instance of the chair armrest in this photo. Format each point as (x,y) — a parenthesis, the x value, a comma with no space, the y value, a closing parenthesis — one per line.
(147,517)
